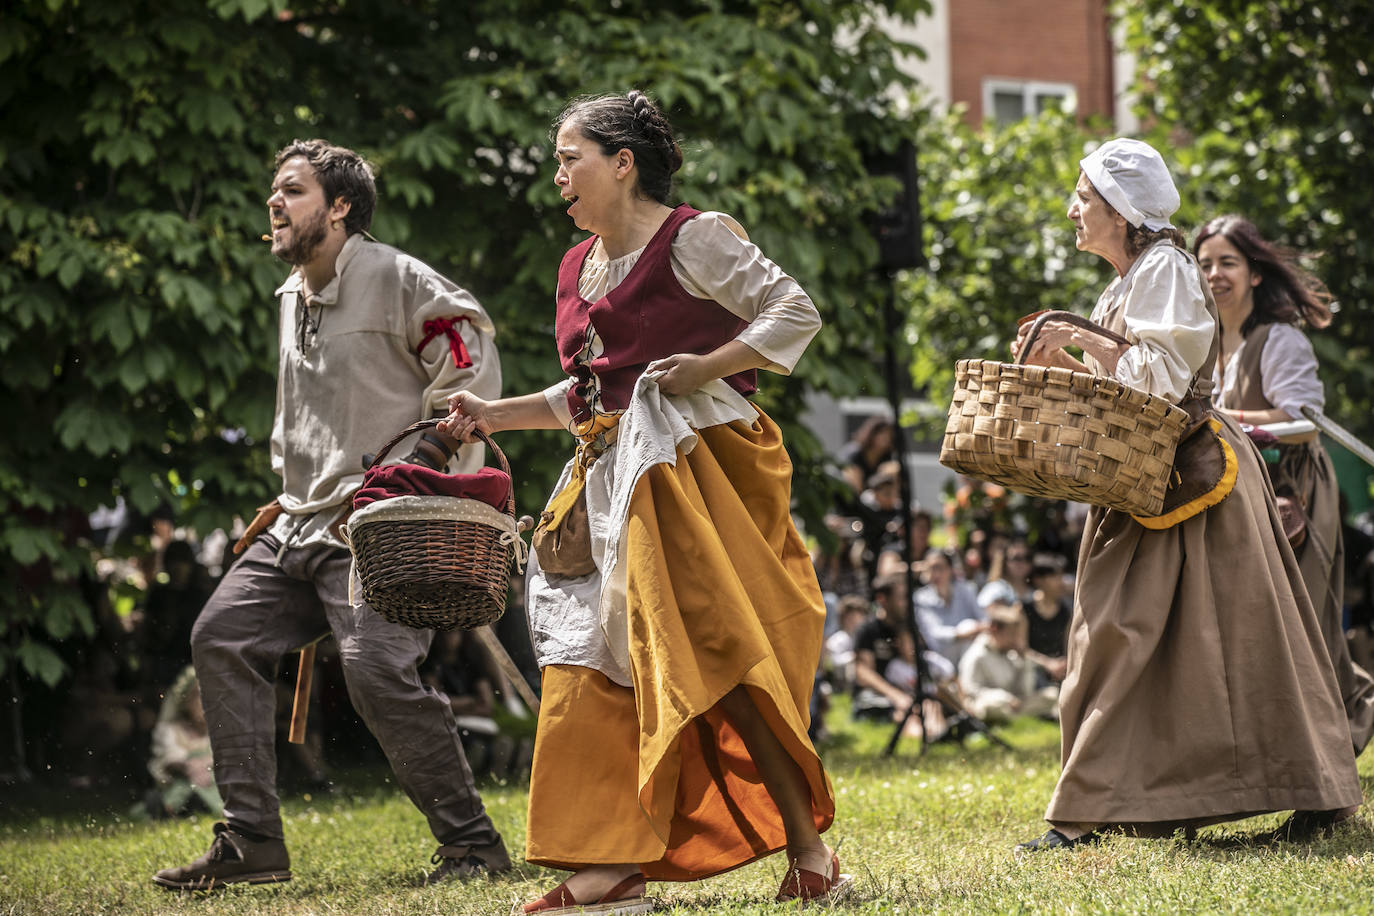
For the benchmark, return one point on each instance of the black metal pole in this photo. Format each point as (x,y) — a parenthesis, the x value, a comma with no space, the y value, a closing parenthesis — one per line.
(923,686)
(21,769)
(892,328)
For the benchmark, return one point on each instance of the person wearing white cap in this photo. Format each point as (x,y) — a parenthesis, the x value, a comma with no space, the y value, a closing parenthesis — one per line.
(1198,688)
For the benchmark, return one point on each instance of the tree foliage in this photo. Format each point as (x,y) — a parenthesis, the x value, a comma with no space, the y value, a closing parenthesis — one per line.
(137,324)
(999,246)
(1262,107)
(1268,106)
(997,239)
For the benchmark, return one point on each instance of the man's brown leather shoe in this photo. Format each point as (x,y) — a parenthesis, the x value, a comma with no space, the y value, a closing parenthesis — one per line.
(463,862)
(231,859)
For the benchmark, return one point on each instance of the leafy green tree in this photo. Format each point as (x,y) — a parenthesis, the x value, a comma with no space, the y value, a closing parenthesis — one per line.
(137,323)
(997,239)
(1268,106)
(1263,107)
(999,247)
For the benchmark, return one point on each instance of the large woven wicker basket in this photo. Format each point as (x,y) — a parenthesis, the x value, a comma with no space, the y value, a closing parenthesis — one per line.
(438,563)
(1061,434)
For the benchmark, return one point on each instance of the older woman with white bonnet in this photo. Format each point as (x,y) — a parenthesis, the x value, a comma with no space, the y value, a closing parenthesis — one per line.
(1132,177)
(1198,687)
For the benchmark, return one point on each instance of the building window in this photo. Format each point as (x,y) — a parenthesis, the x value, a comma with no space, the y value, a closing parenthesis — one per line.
(1006,101)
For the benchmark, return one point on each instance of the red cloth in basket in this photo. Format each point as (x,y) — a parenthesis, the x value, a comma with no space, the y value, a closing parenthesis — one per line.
(490,485)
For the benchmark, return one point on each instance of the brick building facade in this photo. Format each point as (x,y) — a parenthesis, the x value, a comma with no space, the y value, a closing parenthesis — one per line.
(1006,59)
(1004,52)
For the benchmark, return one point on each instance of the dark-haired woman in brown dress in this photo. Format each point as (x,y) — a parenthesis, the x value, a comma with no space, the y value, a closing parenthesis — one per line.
(1266,373)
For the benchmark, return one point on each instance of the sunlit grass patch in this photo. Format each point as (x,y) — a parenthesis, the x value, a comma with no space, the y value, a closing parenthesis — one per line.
(923,833)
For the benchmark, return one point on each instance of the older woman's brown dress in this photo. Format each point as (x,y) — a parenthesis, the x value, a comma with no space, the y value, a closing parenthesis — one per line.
(1199,689)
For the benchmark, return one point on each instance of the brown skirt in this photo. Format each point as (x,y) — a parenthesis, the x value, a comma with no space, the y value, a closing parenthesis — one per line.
(1199,686)
(1306,469)
(721,592)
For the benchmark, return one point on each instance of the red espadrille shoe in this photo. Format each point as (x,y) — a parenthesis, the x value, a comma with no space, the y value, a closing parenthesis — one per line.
(813,889)
(625,899)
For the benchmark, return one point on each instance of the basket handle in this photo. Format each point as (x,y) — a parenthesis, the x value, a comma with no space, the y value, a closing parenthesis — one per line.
(430,424)
(1058,315)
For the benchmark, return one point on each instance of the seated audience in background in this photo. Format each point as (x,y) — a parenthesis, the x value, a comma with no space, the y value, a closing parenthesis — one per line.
(180,763)
(947,607)
(977,556)
(892,558)
(839,646)
(901,672)
(880,511)
(840,569)
(462,670)
(1047,613)
(884,673)
(871,445)
(998,679)
(875,646)
(1008,574)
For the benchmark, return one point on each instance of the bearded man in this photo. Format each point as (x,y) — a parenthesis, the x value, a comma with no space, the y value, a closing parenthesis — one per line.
(371,341)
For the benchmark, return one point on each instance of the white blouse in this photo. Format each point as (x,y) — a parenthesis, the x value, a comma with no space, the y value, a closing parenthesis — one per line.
(1167,322)
(712,258)
(1288,373)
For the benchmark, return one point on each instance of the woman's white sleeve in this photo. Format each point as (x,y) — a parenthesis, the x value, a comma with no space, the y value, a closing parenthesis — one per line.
(1168,325)
(557,398)
(712,259)
(1288,371)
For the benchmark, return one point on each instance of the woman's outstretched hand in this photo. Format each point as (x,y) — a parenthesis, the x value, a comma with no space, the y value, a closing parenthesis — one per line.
(467,412)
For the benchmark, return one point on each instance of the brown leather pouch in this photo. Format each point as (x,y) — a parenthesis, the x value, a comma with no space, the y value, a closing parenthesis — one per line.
(336,526)
(1204,470)
(261,522)
(567,549)
(1285,475)
(1294,519)
(562,541)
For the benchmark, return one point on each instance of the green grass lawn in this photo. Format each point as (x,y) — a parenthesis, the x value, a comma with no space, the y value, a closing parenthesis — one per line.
(922,833)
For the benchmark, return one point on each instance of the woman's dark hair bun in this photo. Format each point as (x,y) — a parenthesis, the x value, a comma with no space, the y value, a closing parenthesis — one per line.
(649,119)
(645,112)
(631,121)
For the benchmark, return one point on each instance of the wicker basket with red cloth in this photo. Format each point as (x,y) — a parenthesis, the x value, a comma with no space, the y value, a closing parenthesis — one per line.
(490,485)
(434,550)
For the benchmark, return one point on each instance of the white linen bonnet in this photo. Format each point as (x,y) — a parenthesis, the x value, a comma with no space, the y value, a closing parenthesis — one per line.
(1133,178)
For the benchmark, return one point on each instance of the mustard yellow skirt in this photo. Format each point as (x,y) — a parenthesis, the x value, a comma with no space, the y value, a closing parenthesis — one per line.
(721,592)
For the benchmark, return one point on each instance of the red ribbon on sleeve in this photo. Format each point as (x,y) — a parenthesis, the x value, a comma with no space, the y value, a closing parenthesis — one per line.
(447,327)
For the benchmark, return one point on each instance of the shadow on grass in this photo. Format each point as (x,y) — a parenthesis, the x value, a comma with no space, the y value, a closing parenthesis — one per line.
(1256,837)
(59,803)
